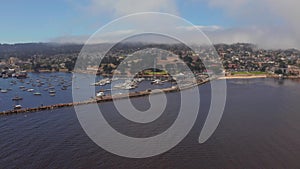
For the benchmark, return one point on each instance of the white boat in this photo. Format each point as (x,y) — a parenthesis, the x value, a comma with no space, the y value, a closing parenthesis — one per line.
(30,90)
(52,91)
(99,94)
(3,91)
(52,94)
(119,85)
(18,106)
(37,93)
(128,87)
(157,82)
(102,82)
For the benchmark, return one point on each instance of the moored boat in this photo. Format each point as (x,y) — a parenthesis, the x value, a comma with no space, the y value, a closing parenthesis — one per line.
(3,91)
(30,90)
(52,94)
(16,98)
(99,94)
(18,106)
(37,94)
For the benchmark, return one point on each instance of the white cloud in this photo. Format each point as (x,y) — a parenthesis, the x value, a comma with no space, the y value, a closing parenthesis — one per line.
(268,23)
(264,22)
(112,36)
(121,7)
(208,28)
(264,37)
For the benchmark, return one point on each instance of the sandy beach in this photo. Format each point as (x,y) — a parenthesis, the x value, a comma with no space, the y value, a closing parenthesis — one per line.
(244,77)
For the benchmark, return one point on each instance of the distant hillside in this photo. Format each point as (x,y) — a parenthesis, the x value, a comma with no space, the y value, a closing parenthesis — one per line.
(27,50)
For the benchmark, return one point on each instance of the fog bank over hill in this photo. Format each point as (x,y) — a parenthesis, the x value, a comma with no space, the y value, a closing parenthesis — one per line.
(27,50)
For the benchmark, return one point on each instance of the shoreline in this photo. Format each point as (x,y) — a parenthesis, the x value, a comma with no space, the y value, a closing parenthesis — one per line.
(258,77)
(244,77)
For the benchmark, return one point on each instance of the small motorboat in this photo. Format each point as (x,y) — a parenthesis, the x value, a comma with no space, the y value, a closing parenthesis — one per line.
(3,91)
(18,106)
(37,94)
(157,82)
(30,90)
(16,98)
(100,94)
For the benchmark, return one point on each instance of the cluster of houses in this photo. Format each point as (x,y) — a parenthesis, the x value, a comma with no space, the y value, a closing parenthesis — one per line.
(7,72)
(238,57)
(247,58)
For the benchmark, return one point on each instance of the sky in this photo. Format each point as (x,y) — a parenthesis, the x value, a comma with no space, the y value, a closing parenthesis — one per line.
(267,23)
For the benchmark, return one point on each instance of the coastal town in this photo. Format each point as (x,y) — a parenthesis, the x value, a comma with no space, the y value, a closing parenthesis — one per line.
(237,59)
(164,67)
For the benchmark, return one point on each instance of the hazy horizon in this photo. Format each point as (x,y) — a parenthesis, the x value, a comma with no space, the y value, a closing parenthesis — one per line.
(268,24)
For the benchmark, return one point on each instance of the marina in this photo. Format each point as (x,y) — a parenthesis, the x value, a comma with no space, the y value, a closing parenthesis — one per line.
(53,90)
(99,99)
(56,91)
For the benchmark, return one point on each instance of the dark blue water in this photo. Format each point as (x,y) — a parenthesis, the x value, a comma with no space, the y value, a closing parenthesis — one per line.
(259,129)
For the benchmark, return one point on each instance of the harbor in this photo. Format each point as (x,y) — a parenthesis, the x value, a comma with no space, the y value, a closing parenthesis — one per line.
(53,90)
(47,91)
(105,98)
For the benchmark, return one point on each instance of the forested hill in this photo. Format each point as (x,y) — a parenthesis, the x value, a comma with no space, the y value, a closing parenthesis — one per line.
(27,50)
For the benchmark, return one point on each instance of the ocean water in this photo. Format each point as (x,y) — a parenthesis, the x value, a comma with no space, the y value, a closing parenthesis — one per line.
(259,129)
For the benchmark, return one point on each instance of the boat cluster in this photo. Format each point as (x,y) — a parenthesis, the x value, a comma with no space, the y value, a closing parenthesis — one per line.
(129,84)
(102,82)
(35,85)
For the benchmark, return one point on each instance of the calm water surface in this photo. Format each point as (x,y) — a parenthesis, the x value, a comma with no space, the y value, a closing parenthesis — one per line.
(259,129)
